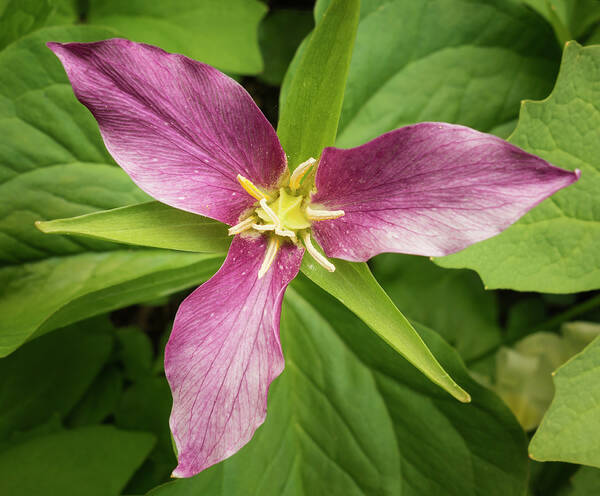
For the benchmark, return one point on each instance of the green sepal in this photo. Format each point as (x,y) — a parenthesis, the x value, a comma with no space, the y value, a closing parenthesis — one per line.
(147,224)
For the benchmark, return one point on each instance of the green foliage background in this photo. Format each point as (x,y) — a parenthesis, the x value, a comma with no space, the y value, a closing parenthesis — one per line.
(84,404)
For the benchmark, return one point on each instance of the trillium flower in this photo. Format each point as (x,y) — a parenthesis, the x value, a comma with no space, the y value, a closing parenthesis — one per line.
(192,138)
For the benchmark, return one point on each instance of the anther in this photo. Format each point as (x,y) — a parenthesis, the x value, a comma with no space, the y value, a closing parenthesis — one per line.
(242,226)
(270,254)
(321,260)
(285,232)
(316,215)
(264,227)
(251,189)
(300,172)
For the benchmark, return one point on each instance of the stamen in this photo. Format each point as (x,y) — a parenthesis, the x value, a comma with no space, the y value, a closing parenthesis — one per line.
(264,227)
(242,226)
(313,214)
(300,172)
(322,261)
(272,215)
(251,189)
(285,232)
(270,254)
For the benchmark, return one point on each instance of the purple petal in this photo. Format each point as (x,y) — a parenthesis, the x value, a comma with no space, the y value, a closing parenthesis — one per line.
(181,129)
(224,352)
(427,189)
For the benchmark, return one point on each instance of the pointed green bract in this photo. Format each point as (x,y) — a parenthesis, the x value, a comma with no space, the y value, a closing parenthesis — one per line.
(147,224)
(354,285)
(311,111)
(554,248)
(570,429)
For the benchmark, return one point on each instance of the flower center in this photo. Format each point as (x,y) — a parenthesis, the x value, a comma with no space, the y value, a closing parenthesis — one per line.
(284,216)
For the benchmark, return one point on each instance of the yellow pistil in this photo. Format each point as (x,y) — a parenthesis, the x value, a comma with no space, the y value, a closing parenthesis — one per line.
(284,216)
(270,254)
(300,172)
(251,189)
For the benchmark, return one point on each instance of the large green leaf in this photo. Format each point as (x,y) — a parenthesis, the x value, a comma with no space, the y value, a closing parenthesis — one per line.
(95,461)
(53,164)
(442,60)
(147,224)
(19,17)
(349,417)
(453,302)
(311,110)
(48,376)
(554,248)
(571,427)
(222,33)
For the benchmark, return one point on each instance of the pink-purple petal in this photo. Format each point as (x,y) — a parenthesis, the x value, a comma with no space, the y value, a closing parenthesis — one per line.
(224,352)
(428,189)
(181,129)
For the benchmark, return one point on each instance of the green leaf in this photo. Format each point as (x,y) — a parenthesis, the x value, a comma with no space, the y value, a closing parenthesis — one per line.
(280,33)
(146,406)
(457,305)
(350,417)
(311,110)
(569,431)
(79,286)
(53,164)
(135,352)
(354,285)
(19,17)
(100,400)
(147,224)
(221,33)
(469,63)
(95,461)
(523,376)
(554,248)
(585,482)
(570,19)
(49,375)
